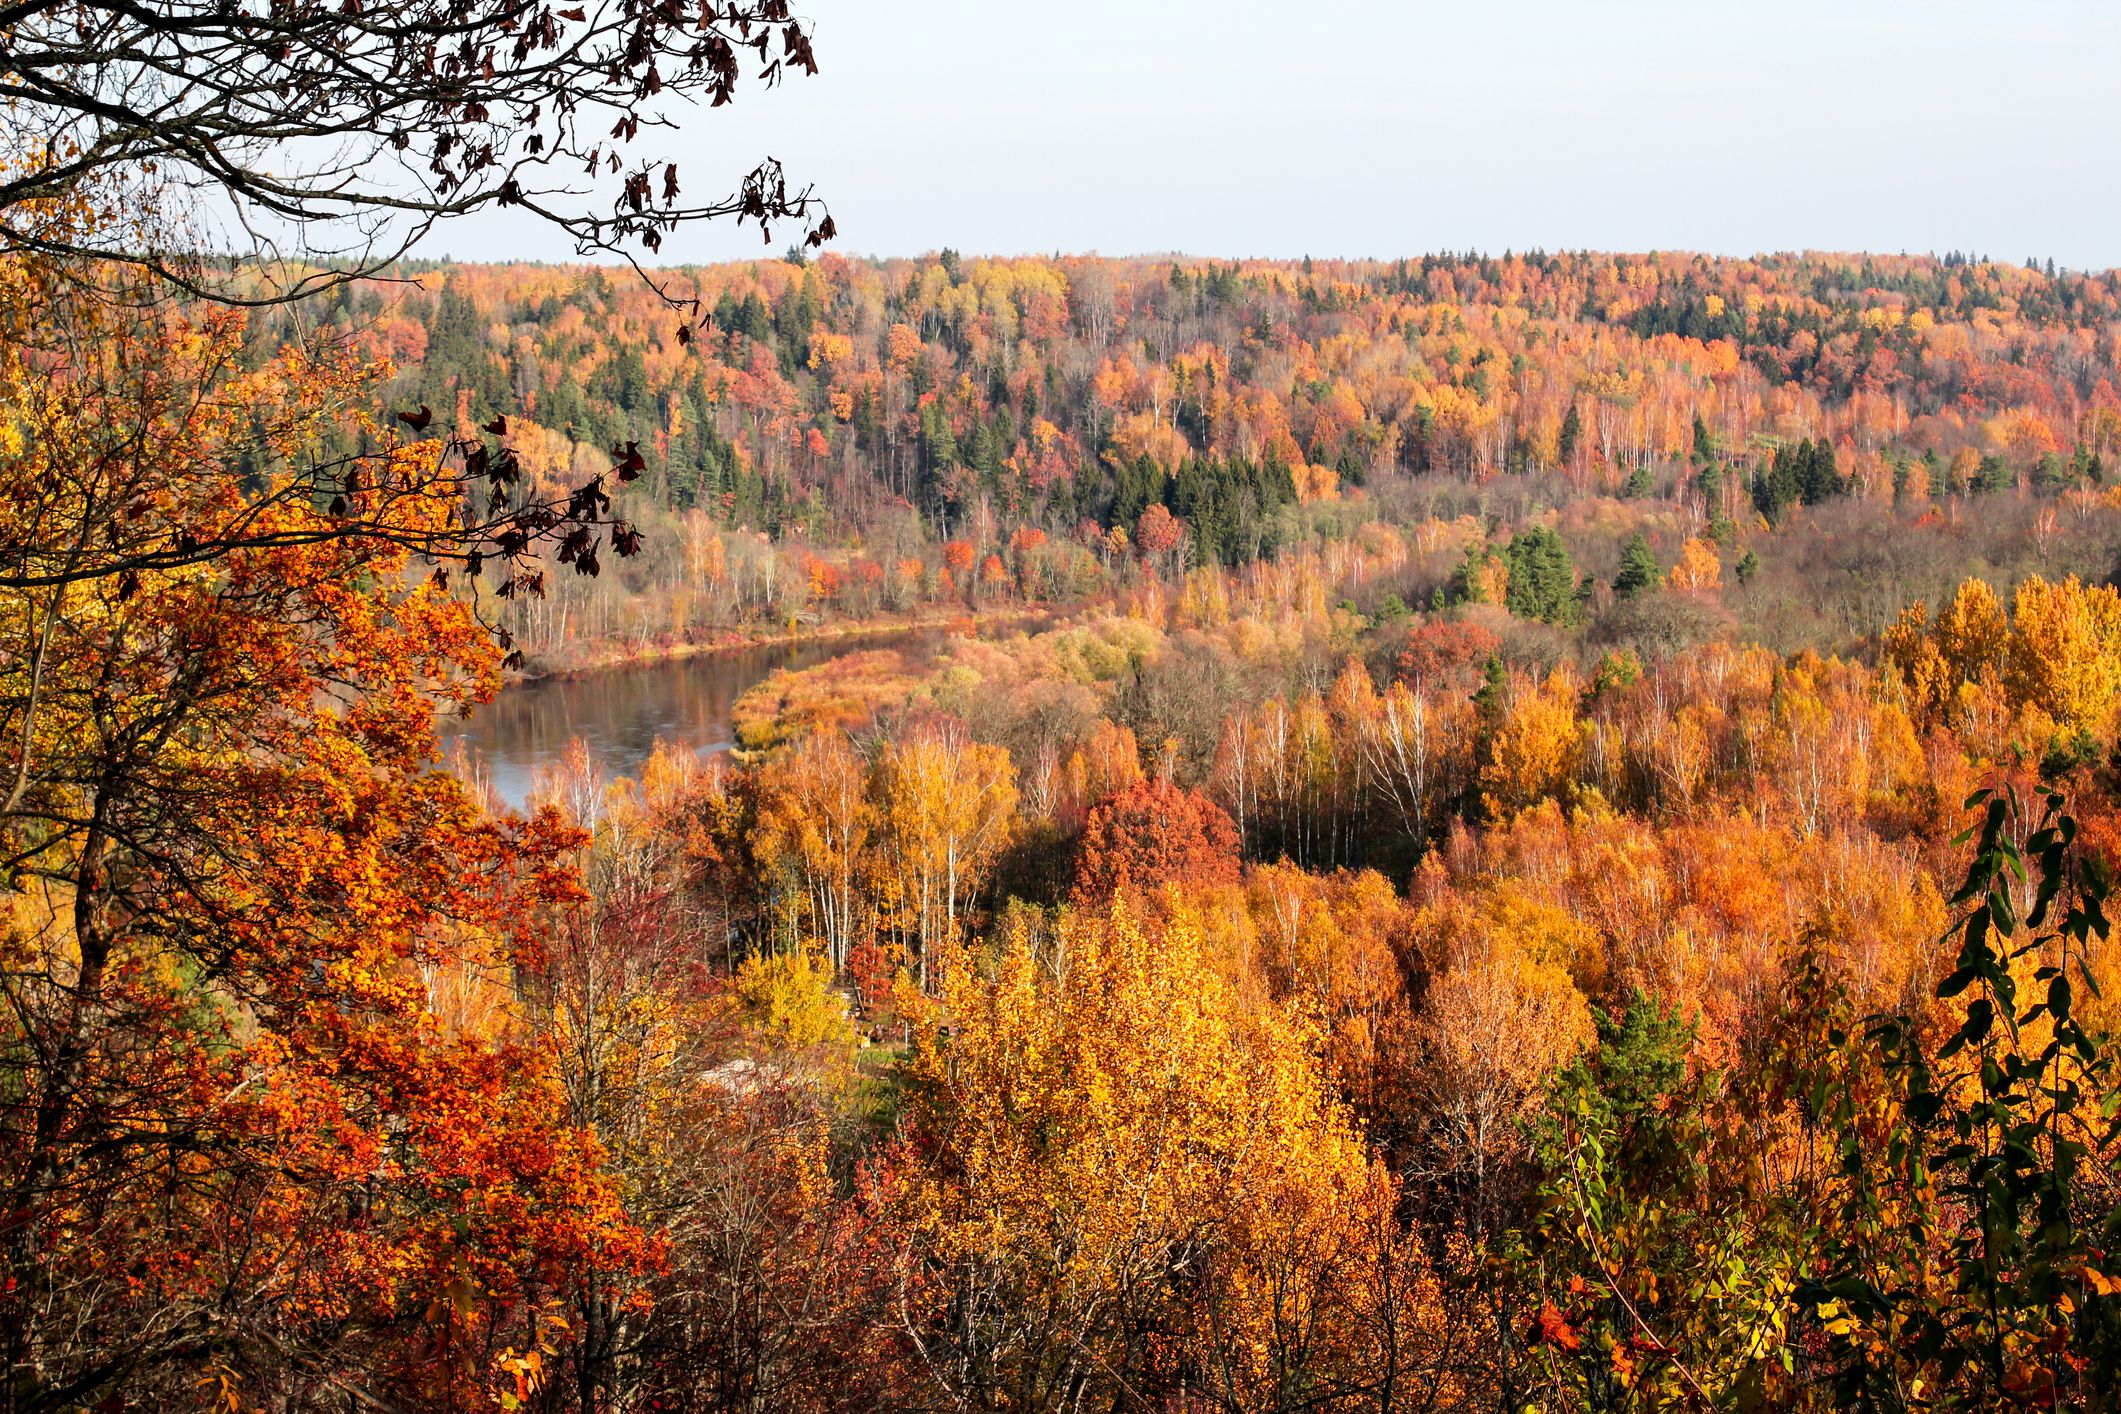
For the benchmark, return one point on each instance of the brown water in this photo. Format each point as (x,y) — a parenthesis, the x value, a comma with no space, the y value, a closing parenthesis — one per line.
(621,713)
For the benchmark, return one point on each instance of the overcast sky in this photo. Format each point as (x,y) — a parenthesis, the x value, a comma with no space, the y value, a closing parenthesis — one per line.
(1385,129)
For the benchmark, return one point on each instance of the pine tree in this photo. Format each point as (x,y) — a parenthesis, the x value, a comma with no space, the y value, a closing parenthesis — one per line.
(1639,569)
(1710,485)
(1571,435)
(1350,467)
(1542,577)
(1818,477)
(1494,691)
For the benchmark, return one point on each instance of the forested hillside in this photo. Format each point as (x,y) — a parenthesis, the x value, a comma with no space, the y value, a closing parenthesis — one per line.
(1542,842)
(1857,430)
(1467,834)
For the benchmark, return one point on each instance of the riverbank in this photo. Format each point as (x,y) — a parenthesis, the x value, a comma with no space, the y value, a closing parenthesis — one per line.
(608,657)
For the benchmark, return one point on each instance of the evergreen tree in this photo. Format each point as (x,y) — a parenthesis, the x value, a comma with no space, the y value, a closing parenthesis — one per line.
(1469,582)
(1805,474)
(1542,577)
(1821,479)
(939,456)
(753,320)
(1639,569)
(1571,435)
(2053,475)
(1639,484)
(1350,467)
(1704,445)
(1494,693)
(632,391)
(1710,484)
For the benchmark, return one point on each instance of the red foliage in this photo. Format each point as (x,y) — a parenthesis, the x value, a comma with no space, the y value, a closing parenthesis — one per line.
(1158,531)
(1150,834)
(1437,651)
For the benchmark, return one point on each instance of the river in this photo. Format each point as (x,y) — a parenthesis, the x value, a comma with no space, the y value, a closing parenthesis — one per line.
(620,713)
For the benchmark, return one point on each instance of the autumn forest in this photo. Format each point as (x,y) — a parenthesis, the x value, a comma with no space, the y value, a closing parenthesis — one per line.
(1469,832)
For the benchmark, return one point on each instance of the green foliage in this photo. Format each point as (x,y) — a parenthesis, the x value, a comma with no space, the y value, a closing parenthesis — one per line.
(1494,693)
(1469,582)
(2052,475)
(1542,577)
(1571,434)
(1639,569)
(1617,670)
(1971,1264)
(1661,1283)
(1804,474)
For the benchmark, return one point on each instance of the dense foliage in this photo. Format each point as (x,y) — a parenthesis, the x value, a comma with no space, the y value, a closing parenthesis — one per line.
(1457,900)
(913,433)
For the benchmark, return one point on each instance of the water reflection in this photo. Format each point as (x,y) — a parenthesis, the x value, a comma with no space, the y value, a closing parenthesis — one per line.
(621,714)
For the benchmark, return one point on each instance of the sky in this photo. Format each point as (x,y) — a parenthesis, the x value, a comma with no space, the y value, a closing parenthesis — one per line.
(1374,129)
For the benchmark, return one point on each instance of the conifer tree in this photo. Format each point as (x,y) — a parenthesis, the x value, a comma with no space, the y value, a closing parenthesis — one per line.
(1639,569)
(1542,577)
(1571,435)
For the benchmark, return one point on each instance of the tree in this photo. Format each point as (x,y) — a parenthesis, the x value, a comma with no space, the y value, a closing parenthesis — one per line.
(117,402)
(1441,651)
(1149,835)
(1639,569)
(817,820)
(1493,698)
(1417,753)
(1804,473)
(2065,649)
(244,1138)
(1698,570)
(1119,1182)
(946,810)
(1532,750)
(1666,1271)
(1542,582)
(1504,1015)
(1159,533)
(355,130)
